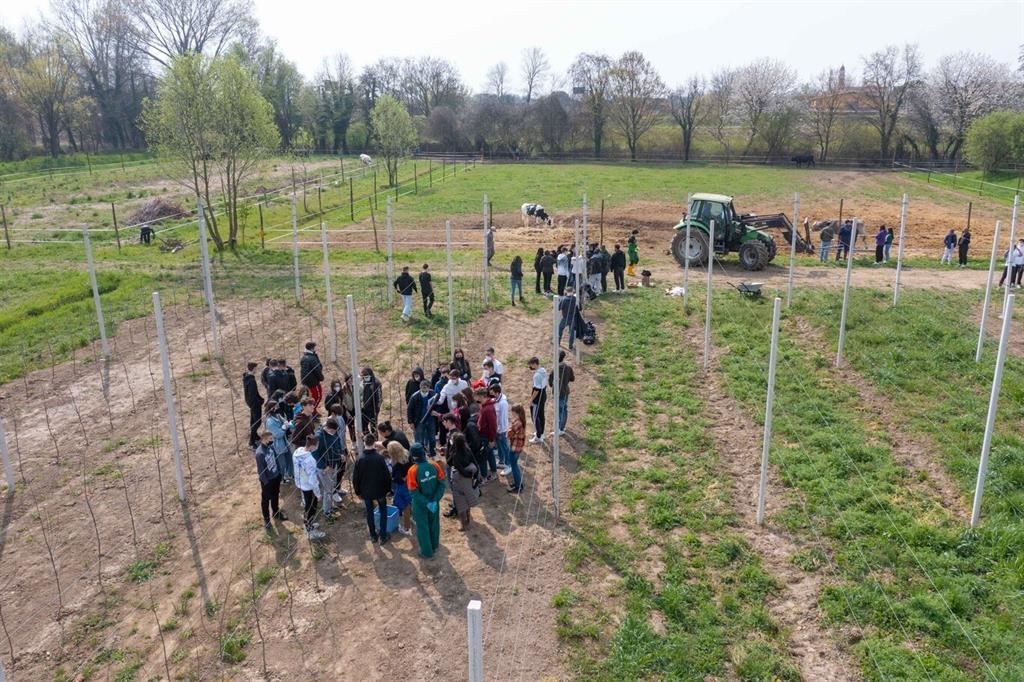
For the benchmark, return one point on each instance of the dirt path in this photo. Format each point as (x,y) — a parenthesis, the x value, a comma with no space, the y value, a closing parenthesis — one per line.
(312,612)
(814,647)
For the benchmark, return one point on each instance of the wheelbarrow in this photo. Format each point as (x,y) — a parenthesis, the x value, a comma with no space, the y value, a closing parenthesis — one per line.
(749,289)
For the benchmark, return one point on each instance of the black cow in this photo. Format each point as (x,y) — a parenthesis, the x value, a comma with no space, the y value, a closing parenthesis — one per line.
(802,160)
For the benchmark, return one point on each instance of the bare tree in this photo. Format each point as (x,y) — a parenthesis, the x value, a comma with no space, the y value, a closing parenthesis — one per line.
(968,85)
(689,109)
(721,98)
(496,78)
(533,68)
(889,76)
(590,75)
(431,82)
(44,83)
(636,94)
(760,88)
(826,101)
(168,28)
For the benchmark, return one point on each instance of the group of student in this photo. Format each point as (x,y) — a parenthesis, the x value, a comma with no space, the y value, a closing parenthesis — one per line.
(962,244)
(466,434)
(1013,264)
(883,241)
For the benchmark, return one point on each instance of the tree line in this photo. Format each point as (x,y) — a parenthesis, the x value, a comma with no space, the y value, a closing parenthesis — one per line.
(79,81)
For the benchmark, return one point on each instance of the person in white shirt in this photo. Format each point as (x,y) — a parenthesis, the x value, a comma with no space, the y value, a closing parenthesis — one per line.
(562,269)
(579,270)
(1018,263)
(453,387)
(498,367)
(307,481)
(538,399)
(501,416)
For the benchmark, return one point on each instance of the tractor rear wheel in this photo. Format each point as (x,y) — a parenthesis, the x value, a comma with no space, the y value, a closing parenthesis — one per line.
(697,249)
(753,255)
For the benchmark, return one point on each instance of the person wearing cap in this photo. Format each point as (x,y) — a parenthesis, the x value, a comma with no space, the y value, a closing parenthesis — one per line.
(425,480)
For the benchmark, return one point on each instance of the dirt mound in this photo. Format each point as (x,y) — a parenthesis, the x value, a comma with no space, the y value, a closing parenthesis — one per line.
(154,211)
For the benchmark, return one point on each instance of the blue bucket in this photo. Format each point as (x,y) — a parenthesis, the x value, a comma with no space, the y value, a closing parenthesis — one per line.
(392,518)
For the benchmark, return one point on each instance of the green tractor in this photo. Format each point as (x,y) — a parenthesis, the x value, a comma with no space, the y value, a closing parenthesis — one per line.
(745,234)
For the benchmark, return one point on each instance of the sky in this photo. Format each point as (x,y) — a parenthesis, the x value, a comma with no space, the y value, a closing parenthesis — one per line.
(680,38)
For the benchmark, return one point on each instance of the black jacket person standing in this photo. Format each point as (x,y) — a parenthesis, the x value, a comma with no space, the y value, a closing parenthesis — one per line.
(427,290)
(254,401)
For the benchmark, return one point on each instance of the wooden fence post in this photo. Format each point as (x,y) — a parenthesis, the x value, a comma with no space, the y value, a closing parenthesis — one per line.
(117,232)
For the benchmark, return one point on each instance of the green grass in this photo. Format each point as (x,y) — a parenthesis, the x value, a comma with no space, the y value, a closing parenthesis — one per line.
(1000,186)
(926,595)
(703,611)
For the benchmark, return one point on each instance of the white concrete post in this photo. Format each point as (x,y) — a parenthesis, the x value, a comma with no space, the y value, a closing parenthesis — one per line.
(6,455)
(585,212)
(475,635)
(295,252)
(208,284)
(487,265)
(172,415)
(707,304)
(332,328)
(899,251)
(391,259)
(988,294)
(792,250)
(686,257)
(846,292)
(766,444)
(451,287)
(357,380)
(95,292)
(555,394)
(1009,253)
(990,421)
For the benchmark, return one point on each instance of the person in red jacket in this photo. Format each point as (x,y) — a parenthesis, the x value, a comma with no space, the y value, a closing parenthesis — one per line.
(487,425)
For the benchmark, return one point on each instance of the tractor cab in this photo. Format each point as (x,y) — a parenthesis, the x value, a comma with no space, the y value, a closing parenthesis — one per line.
(717,207)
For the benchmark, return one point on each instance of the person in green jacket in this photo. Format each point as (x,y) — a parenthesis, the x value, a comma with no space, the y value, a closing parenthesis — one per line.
(634,255)
(425,480)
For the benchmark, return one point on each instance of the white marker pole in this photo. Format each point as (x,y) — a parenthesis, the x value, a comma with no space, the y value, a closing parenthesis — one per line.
(899,251)
(1009,252)
(95,292)
(391,260)
(172,418)
(451,287)
(205,254)
(585,211)
(332,328)
(988,293)
(766,445)
(792,250)
(487,264)
(295,252)
(475,634)
(707,304)
(357,380)
(686,257)
(846,292)
(555,386)
(6,455)
(990,422)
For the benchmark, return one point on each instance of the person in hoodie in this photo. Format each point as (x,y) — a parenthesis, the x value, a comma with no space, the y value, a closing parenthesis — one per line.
(307,481)
(371,481)
(594,266)
(412,386)
(275,423)
(254,401)
(880,238)
(425,480)
(948,244)
(312,373)
(372,397)
(305,423)
(270,479)
(427,290)
(419,413)
(405,286)
(547,269)
(487,424)
(516,279)
(538,257)
(329,454)
(845,232)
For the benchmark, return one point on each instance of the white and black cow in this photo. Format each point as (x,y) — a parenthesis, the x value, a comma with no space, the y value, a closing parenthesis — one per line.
(365,159)
(537,212)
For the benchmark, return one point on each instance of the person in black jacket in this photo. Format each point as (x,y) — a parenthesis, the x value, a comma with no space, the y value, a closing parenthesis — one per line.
(413,384)
(606,266)
(477,444)
(964,244)
(254,401)
(371,480)
(388,433)
(516,278)
(427,290)
(405,286)
(537,267)
(547,269)
(290,381)
(334,395)
(618,263)
(372,397)
(460,363)
(277,379)
(264,376)
(312,373)
(270,479)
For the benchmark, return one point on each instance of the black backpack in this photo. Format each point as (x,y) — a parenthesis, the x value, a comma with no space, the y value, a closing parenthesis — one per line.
(589,333)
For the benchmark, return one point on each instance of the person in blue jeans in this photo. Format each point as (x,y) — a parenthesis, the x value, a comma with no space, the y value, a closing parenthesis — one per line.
(827,235)
(371,480)
(277,425)
(516,279)
(419,414)
(405,286)
(569,308)
(501,415)
(565,377)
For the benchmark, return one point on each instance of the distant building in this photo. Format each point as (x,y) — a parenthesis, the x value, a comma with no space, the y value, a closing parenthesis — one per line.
(850,100)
